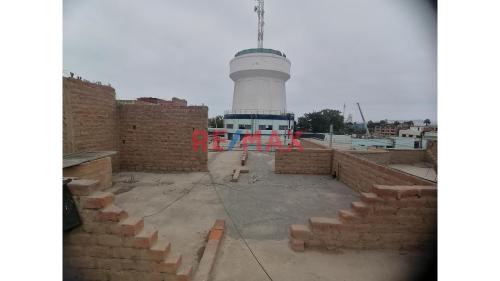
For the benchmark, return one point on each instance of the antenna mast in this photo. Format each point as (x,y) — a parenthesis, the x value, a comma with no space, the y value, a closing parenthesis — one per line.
(259,9)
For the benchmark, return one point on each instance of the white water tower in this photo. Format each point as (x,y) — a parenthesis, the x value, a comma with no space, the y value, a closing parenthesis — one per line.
(259,97)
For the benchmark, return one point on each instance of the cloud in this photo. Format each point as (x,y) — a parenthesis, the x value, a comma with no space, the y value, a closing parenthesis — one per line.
(381,53)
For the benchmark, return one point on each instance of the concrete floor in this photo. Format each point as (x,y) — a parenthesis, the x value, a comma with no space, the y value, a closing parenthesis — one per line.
(259,207)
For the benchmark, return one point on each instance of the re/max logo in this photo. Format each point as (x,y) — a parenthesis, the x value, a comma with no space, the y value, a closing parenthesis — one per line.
(200,140)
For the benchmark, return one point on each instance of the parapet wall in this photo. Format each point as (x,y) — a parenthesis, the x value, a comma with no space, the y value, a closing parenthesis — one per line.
(389,217)
(155,137)
(361,174)
(149,134)
(89,118)
(306,161)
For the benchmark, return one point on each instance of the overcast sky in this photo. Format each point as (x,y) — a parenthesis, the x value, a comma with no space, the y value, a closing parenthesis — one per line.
(380,53)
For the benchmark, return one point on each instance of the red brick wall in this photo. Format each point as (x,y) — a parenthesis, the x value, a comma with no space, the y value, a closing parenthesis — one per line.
(361,174)
(89,118)
(382,157)
(161,140)
(431,153)
(157,137)
(407,156)
(307,161)
(390,217)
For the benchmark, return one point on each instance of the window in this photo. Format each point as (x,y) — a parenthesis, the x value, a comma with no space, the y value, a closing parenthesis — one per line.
(269,127)
(283,127)
(262,127)
(229,126)
(245,127)
(404,135)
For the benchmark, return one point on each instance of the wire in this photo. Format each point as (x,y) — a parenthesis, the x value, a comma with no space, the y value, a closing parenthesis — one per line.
(213,184)
(175,200)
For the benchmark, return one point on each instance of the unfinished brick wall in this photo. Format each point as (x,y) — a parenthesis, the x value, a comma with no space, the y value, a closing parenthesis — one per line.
(111,245)
(310,144)
(157,137)
(406,156)
(151,134)
(89,118)
(307,161)
(389,217)
(382,157)
(431,153)
(99,170)
(361,174)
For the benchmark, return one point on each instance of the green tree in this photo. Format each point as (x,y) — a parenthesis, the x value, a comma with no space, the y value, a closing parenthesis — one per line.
(427,122)
(216,122)
(320,121)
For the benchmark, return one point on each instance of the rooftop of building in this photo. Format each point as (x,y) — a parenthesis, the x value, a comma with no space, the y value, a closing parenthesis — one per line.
(259,50)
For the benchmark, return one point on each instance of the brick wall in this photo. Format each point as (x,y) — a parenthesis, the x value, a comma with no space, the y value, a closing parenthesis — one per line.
(307,161)
(150,134)
(361,174)
(382,157)
(157,137)
(310,144)
(99,170)
(111,245)
(431,153)
(406,156)
(389,217)
(89,118)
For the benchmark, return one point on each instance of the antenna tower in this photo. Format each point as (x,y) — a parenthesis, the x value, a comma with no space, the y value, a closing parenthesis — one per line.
(259,9)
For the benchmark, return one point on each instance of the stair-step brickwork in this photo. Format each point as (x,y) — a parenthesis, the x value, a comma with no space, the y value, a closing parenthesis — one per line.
(111,245)
(389,217)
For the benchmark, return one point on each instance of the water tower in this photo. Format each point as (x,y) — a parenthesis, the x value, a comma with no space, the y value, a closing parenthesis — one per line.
(259,97)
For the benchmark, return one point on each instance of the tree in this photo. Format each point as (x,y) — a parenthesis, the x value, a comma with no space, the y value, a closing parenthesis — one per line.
(396,123)
(320,121)
(216,122)
(427,122)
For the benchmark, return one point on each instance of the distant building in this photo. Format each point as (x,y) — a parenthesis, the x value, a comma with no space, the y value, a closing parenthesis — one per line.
(388,130)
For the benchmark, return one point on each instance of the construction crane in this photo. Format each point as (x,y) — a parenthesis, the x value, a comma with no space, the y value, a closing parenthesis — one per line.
(364,122)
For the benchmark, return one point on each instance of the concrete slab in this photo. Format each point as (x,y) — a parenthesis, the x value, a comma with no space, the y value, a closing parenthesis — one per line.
(262,205)
(423,170)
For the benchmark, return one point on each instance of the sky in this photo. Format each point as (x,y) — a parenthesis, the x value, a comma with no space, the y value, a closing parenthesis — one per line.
(380,53)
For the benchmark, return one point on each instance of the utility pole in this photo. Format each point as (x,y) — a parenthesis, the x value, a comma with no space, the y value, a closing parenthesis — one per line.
(331,135)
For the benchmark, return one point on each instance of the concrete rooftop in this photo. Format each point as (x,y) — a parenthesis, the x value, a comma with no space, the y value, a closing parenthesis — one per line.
(258,210)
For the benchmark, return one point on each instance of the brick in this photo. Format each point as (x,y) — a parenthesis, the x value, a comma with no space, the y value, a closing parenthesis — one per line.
(430,191)
(124,253)
(301,232)
(109,240)
(323,224)
(236,175)
(361,208)
(112,213)
(348,216)
(297,245)
(98,200)
(171,264)
(158,251)
(99,251)
(145,239)
(216,234)
(219,224)
(369,197)
(83,187)
(184,273)
(131,226)
(80,239)
(109,264)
